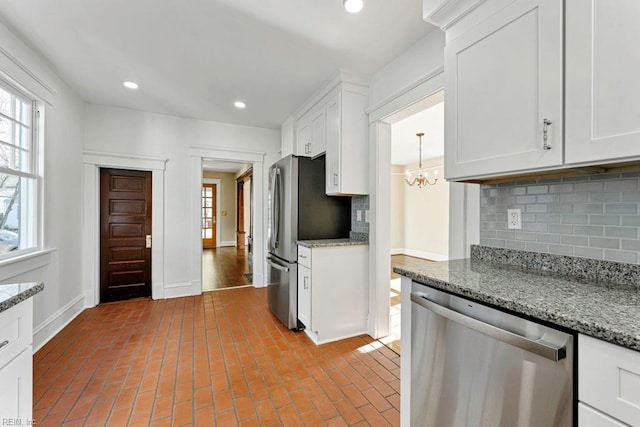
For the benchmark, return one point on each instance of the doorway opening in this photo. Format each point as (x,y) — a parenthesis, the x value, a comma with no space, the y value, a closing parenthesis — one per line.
(419,226)
(225,230)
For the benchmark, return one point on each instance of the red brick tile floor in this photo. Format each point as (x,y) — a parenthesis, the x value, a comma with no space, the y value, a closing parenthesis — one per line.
(220,359)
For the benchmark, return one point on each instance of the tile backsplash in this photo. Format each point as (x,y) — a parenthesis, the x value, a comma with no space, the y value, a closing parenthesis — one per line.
(359,203)
(592,216)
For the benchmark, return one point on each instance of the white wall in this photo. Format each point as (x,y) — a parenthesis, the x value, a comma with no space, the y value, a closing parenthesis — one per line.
(397,207)
(420,226)
(130,132)
(63,296)
(412,65)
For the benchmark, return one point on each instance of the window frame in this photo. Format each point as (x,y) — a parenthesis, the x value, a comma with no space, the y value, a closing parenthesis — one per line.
(35,199)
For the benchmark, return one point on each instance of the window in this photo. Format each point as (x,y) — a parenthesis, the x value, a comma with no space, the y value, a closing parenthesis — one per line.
(18,174)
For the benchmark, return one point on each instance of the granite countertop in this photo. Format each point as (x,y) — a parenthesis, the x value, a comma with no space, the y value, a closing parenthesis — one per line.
(326,243)
(14,293)
(606,311)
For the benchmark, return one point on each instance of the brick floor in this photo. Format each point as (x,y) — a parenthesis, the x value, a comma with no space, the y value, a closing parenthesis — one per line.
(217,359)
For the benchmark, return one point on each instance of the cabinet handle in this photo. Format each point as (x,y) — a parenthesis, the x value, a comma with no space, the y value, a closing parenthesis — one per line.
(309,152)
(303,256)
(3,343)
(545,133)
(335,179)
(306,282)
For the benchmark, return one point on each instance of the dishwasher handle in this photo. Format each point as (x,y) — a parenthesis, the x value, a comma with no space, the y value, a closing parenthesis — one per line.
(540,348)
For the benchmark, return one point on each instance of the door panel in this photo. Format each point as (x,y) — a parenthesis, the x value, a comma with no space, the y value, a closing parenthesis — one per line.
(503,80)
(602,82)
(125,221)
(209,219)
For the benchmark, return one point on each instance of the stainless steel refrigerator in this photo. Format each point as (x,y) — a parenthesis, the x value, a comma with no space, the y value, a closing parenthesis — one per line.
(299,209)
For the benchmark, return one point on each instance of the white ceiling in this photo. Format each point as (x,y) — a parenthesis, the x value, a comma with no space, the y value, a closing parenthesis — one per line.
(194,58)
(221,166)
(404,142)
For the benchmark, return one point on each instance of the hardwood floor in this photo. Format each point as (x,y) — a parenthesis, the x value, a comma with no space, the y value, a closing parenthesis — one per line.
(217,359)
(225,267)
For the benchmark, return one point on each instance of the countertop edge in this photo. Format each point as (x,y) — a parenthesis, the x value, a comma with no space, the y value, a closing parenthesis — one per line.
(331,243)
(608,334)
(22,296)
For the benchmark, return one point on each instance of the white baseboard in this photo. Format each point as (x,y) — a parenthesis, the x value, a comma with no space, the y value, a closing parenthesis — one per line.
(419,254)
(183,289)
(371,326)
(157,290)
(227,243)
(57,321)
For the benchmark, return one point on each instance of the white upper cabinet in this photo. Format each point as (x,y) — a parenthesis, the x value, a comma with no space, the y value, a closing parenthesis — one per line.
(318,131)
(311,139)
(303,136)
(505,86)
(503,92)
(347,143)
(602,81)
(334,121)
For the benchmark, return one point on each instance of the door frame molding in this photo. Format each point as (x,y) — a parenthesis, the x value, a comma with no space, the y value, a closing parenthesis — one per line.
(256,158)
(464,203)
(92,162)
(218,183)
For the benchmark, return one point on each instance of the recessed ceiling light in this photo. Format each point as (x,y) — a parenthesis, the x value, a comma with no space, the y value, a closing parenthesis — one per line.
(353,6)
(239,104)
(130,85)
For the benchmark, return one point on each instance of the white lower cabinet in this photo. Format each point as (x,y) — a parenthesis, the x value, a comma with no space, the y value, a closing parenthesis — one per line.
(304,296)
(589,417)
(16,364)
(332,293)
(609,382)
(16,392)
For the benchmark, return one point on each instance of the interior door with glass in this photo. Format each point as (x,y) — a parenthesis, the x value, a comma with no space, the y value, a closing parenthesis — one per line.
(208,215)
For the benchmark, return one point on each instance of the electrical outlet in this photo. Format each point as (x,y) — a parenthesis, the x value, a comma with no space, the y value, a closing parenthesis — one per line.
(366,215)
(514,219)
(359,215)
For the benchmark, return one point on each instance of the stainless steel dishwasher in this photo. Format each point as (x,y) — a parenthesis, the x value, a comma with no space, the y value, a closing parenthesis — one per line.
(473,365)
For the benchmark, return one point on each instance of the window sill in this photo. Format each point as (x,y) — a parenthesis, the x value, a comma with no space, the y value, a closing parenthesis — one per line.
(24,263)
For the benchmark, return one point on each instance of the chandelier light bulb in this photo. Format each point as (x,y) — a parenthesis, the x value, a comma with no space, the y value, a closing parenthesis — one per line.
(353,6)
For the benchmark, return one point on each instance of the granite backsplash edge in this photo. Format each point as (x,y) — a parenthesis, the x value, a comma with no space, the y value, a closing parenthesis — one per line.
(593,270)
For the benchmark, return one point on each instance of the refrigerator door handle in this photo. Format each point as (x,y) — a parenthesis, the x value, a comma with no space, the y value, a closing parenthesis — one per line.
(277,202)
(277,266)
(272,194)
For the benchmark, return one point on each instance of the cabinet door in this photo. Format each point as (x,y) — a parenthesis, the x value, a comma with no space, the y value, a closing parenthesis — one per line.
(609,378)
(503,79)
(303,137)
(589,417)
(304,296)
(333,148)
(318,132)
(602,84)
(17,388)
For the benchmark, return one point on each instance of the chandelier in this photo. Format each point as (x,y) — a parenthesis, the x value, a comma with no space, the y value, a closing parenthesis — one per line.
(423,178)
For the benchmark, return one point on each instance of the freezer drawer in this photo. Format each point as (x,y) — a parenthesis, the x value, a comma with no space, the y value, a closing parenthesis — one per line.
(282,291)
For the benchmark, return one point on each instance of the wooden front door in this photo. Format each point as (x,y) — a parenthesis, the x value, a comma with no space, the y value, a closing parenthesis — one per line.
(209,215)
(125,234)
